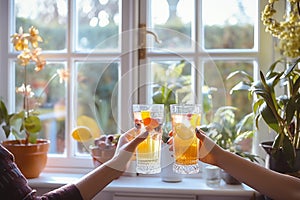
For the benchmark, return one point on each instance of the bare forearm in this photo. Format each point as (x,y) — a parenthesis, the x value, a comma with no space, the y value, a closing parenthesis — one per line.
(95,181)
(270,183)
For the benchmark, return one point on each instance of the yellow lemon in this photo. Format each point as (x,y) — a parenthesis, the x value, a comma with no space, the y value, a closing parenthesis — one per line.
(183,132)
(145,114)
(195,120)
(90,123)
(82,134)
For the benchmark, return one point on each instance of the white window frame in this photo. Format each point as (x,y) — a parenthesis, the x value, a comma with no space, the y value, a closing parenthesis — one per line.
(129,62)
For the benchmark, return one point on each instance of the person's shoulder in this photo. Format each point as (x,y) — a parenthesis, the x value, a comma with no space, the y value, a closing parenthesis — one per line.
(67,192)
(5,155)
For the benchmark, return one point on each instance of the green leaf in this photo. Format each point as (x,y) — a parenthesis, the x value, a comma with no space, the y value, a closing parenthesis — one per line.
(3,113)
(257,104)
(32,138)
(6,130)
(157,97)
(33,124)
(295,64)
(16,123)
(273,65)
(241,86)
(171,97)
(242,73)
(269,117)
(296,86)
(290,110)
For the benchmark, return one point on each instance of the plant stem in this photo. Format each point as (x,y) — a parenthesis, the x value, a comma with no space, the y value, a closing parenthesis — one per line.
(26,103)
(297,134)
(46,86)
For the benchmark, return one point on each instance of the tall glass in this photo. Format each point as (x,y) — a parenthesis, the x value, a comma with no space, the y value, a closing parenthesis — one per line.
(149,117)
(185,118)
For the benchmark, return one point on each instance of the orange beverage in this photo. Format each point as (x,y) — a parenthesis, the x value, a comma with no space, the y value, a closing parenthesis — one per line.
(149,117)
(185,118)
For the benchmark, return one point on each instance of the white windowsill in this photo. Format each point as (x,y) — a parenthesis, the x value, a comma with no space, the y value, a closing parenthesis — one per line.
(147,184)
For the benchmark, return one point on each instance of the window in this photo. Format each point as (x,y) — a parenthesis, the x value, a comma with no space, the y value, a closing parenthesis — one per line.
(97,41)
(213,42)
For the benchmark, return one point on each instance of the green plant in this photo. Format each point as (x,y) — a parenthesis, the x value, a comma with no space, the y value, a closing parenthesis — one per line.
(165,96)
(165,93)
(26,124)
(281,112)
(228,132)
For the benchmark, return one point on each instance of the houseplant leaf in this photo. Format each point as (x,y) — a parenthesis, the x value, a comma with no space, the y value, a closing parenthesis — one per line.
(32,124)
(269,117)
(290,110)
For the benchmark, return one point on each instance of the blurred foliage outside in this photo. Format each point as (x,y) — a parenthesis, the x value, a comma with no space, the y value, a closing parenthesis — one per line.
(54,33)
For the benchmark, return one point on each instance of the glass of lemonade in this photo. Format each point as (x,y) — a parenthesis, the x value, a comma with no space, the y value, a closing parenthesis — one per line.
(185,118)
(149,117)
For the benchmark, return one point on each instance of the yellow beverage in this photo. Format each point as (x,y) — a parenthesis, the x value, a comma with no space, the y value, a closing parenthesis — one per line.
(148,151)
(185,141)
(185,118)
(149,148)
(186,150)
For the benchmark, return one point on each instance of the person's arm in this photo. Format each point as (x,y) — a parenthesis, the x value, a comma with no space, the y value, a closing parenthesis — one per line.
(95,181)
(273,184)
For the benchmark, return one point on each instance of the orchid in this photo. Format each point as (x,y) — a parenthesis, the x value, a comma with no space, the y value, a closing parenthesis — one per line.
(26,122)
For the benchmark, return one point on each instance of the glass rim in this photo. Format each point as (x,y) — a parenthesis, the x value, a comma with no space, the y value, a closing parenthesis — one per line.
(186,105)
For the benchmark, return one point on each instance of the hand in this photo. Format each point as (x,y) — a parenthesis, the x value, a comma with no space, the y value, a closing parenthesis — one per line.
(208,150)
(129,140)
(127,144)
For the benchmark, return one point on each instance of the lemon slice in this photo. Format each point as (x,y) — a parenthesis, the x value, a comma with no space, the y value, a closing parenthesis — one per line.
(195,120)
(82,134)
(145,114)
(90,123)
(183,132)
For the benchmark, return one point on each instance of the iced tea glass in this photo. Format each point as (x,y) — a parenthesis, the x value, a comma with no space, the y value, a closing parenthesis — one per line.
(185,118)
(149,117)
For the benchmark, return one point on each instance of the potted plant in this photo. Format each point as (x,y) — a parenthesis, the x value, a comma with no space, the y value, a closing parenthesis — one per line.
(281,112)
(165,93)
(230,134)
(24,125)
(277,92)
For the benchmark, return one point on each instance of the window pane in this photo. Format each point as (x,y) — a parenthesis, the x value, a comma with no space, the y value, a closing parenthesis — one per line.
(172,21)
(229,24)
(49,16)
(97,96)
(98,25)
(219,87)
(49,101)
(175,75)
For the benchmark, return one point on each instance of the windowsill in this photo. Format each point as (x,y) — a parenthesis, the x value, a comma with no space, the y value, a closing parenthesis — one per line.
(147,184)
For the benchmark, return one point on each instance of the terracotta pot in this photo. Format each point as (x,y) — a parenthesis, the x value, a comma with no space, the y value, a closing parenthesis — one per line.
(279,163)
(31,159)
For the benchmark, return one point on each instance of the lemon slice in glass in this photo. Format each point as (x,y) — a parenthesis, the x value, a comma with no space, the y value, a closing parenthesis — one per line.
(195,120)
(145,114)
(82,134)
(183,132)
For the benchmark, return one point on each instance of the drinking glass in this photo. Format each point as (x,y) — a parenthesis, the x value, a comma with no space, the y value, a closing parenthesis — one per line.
(150,118)
(185,118)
